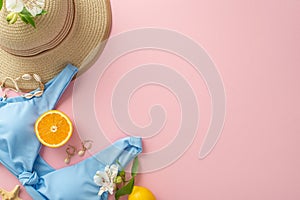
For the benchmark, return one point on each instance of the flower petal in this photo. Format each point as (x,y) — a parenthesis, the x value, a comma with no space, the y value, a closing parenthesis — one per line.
(34,11)
(40,3)
(14,5)
(102,189)
(35,7)
(106,169)
(114,170)
(101,178)
(110,190)
(106,179)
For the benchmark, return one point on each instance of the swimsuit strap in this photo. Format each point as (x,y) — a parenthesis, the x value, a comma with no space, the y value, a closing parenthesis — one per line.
(55,87)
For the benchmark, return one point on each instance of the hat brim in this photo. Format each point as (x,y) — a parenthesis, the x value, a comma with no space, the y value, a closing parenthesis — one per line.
(81,47)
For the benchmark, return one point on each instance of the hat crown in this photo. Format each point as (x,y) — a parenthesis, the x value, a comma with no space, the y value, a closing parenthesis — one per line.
(23,40)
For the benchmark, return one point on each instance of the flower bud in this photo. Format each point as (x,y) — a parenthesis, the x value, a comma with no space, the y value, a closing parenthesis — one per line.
(118,179)
(12,17)
(122,173)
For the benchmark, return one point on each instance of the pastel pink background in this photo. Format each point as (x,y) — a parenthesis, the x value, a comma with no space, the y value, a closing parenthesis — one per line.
(255,46)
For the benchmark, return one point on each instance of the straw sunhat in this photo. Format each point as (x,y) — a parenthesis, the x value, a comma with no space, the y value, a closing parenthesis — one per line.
(72,31)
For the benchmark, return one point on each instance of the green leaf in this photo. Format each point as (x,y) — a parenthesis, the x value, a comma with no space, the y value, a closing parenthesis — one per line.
(23,18)
(1,4)
(28,19)
(25,12)
(42,13)
(135,167)
(31,21)
(127,189)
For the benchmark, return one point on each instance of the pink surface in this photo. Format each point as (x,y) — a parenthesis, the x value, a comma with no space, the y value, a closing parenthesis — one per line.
(255,46)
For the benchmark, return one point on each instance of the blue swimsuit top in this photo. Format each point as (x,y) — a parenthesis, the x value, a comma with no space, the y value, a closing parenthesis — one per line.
(19,148)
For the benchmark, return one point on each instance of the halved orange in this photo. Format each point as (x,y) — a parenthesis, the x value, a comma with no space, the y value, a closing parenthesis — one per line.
(53,128)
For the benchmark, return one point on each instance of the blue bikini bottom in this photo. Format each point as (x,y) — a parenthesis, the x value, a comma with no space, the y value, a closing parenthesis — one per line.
(76,182)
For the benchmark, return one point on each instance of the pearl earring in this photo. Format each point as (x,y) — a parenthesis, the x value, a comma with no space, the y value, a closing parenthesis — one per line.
(86,145)
(71,150)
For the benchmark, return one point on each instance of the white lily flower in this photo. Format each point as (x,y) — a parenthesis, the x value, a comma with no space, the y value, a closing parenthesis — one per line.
(15,6)
(35,7)
(106,179)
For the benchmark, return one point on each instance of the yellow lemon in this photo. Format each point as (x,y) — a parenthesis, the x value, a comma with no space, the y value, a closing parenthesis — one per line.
(141,193)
